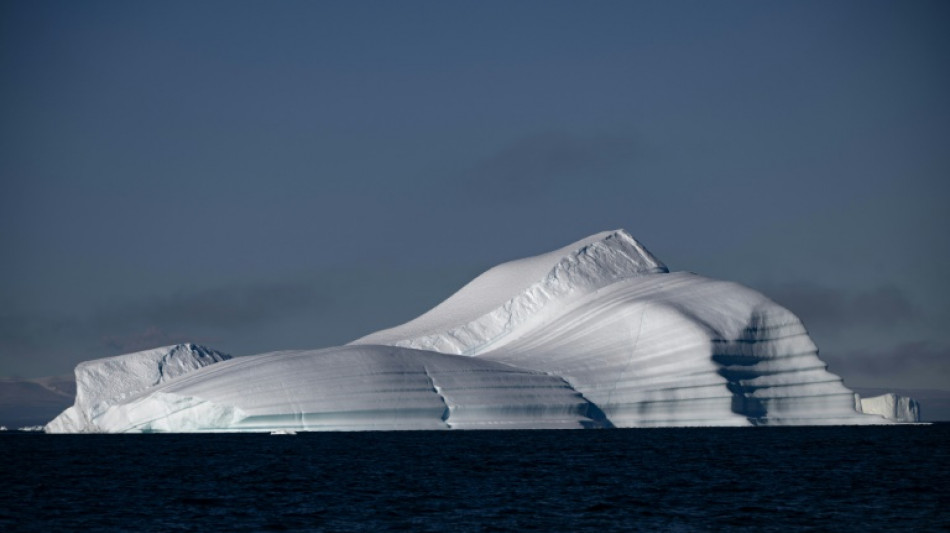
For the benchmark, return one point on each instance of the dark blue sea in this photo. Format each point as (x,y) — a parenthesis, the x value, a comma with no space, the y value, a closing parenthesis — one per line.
(743,479)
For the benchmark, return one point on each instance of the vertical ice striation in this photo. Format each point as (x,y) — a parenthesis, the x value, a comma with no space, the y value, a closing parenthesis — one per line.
(679,349)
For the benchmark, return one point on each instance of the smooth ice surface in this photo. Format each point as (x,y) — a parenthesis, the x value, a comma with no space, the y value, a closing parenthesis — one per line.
(892,407)
(353,388)
(596,334)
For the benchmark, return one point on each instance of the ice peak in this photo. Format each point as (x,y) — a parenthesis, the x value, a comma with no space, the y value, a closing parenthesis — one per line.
(512,291)
(623,235)
(638,255)
(616,235)
(191,347)
(619,233)
(616,251)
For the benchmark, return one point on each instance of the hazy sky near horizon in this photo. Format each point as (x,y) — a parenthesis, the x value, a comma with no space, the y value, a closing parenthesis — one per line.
(266,175)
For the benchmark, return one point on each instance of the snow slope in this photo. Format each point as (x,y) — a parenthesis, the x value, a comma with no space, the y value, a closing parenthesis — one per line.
(495,303)
(596,334)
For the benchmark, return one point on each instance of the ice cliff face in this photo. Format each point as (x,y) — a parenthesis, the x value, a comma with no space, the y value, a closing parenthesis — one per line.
(102,383)
(891,407)
(596,334)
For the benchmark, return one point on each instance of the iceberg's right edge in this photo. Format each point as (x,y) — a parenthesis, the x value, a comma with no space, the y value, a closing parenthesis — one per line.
(596,334)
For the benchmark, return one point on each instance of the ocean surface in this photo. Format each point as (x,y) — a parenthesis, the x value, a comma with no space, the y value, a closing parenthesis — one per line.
(744,479)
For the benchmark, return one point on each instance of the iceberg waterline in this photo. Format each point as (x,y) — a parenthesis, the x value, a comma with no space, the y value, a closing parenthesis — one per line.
(596,334)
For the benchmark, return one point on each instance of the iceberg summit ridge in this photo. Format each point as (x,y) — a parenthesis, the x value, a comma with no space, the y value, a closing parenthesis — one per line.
(596,334)
(497,301)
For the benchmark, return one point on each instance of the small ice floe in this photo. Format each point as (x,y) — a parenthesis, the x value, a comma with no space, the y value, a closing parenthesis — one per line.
(283,432)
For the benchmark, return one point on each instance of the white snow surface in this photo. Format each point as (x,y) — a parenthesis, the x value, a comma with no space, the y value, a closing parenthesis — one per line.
(892,407)
(596,334)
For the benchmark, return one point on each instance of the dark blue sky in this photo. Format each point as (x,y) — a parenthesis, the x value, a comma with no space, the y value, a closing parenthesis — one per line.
(269,175)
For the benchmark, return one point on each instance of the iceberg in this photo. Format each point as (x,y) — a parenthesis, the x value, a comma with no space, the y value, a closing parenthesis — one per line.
(597,334)
(105,382)
(891,406)
(352,388)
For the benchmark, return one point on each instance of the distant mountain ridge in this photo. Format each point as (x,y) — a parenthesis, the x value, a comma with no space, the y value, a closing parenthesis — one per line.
(36,401)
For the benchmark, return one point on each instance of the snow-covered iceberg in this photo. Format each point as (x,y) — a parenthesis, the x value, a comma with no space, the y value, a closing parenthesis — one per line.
(596,334)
